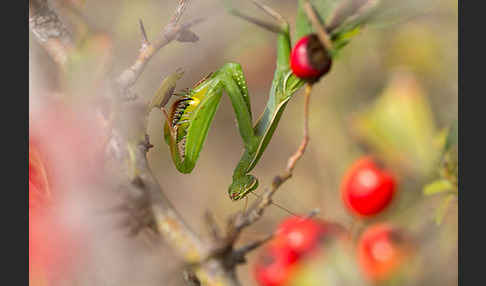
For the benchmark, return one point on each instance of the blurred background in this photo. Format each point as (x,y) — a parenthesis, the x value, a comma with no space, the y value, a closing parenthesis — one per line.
(402,70)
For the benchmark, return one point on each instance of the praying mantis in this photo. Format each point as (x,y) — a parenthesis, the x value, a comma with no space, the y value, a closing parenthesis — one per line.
(188,120)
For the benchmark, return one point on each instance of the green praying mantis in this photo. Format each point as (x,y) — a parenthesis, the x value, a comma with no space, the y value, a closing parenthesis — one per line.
(188,120)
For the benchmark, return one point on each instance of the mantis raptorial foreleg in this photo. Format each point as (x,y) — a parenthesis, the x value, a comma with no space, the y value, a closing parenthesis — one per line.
(192,114)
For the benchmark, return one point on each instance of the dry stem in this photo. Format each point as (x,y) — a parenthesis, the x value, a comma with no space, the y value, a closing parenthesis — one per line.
(51,33)
(148,49)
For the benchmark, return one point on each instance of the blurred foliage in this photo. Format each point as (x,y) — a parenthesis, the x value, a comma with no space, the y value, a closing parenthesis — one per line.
(90,61)
(333,264)
(399,126)
(448,174)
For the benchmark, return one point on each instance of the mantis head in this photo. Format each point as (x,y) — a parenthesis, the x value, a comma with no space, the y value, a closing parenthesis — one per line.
(242,186)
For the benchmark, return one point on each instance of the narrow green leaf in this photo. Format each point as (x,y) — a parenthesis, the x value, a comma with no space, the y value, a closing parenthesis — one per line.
(350,15)
(452,138)
(442,210)
(303,26)
(437,187)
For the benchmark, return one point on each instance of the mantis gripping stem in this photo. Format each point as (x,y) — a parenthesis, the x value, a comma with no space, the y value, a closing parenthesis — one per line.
(191,115)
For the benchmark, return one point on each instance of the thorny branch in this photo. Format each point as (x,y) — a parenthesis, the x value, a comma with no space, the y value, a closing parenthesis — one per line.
(172,31)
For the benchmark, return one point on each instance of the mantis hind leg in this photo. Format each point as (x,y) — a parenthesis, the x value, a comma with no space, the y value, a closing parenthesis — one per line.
(244,183)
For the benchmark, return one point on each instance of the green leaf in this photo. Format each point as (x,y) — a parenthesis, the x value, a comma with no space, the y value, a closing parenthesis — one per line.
(452,138)
(399,125)
(449,160)
(437,187)
(303,26)
(442,210)
(165,90)
(350,15)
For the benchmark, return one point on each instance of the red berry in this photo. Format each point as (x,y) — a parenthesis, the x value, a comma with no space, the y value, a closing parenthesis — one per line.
(38,183)
(381,250)
(299,234)
(367,189)
(303,234)
(274,266)
(309,59)
(296,238)
(65,163)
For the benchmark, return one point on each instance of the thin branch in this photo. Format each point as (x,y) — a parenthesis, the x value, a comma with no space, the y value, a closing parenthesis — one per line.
(48,29)
(170,32)
(237,256)
(252,246)
(269,11)
(305,141)
(145,41)
(318,26)
(267,26)
(277,205)
(272,13)
(212,226)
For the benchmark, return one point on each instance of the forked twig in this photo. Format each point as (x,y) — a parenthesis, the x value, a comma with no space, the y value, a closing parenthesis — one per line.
(148,49)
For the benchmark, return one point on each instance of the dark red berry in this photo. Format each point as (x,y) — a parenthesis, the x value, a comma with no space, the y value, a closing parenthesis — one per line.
(382,248)
(309,59)
(367,189)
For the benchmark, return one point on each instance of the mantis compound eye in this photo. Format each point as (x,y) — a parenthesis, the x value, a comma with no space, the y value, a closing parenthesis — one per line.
(309,59)
(242,186)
